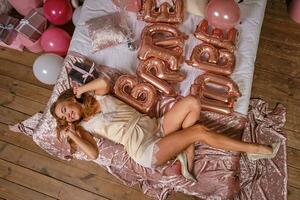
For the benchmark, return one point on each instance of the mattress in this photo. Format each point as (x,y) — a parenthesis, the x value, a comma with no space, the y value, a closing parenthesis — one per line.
(220,174)
(252,13)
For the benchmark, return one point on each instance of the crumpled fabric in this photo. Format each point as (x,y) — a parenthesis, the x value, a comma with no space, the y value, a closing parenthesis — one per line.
(220,174)
(264,179)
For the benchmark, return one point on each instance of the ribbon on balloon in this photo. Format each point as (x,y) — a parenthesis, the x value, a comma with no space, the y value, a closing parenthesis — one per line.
(157,73)
(208,58)
(168,47)
(216,36)
(165,13)
(217,93)
(142,96)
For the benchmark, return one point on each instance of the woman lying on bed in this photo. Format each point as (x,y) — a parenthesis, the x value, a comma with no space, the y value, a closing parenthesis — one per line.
(148,141)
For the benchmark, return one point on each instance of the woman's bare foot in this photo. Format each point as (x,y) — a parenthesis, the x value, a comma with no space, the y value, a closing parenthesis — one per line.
(190,154)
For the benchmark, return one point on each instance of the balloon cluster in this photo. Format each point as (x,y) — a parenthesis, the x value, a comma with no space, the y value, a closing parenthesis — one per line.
(215,55)
(54,41)
(161,54)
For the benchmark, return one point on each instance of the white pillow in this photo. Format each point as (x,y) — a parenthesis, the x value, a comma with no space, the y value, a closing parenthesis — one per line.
(196,7)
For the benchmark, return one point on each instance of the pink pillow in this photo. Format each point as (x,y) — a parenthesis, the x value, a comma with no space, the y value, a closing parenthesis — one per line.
(107,31)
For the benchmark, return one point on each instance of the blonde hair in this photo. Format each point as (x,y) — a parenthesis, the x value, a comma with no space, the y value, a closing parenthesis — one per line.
(90,106)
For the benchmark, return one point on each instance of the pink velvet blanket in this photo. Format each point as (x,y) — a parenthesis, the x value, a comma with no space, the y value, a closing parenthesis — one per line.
(220,174)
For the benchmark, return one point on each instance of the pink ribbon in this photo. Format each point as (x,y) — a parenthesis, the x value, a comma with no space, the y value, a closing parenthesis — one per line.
(85,73)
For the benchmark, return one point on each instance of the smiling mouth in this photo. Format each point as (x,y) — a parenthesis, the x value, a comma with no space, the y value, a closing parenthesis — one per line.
(72,115)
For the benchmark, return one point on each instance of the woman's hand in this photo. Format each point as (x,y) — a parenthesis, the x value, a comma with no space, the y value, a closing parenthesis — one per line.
(70,131)
(77,90)
(83,139)
(100,86)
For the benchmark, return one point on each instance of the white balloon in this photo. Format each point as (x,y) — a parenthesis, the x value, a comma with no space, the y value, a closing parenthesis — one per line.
(47,67)
(76,15)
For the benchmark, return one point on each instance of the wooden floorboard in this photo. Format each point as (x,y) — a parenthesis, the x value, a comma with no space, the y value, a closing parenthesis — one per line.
(276,79)
(19,103)
(42,183)
(23,89)
(13,191)
(24,58)
(20,72)
(293,193)
(83,179)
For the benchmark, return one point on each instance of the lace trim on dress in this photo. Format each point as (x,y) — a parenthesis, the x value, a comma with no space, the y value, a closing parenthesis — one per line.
(154,159)
(107,107)
(161,132)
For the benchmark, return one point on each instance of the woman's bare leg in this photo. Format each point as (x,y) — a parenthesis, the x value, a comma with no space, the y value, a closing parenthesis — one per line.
(173,144)
(183,114)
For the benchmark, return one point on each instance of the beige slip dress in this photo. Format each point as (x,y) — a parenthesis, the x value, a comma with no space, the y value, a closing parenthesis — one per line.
(122,124)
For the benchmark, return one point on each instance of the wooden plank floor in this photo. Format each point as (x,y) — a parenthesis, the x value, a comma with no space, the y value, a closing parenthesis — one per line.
(27,172)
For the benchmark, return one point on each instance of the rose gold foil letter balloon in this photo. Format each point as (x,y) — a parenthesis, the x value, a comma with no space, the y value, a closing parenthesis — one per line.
(223,14)
(166,13)
(208,58)
(216,36)
(156,72)
(141,96)
(168,47)
(217,93)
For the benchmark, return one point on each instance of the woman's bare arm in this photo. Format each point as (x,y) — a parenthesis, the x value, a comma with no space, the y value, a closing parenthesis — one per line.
(100,86)
(84,140)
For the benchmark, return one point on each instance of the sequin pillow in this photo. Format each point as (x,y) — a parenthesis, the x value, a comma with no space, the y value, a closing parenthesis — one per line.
(107,31)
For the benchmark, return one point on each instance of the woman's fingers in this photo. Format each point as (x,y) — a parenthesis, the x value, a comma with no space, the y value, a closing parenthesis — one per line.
(71,128)
(76,91)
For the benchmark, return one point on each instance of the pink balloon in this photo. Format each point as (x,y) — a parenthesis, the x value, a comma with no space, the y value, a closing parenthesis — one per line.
(294,11)
(58,12)
(56,40)
(223,14)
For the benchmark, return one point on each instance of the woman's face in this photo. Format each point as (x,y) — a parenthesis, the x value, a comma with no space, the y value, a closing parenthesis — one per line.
(69,110)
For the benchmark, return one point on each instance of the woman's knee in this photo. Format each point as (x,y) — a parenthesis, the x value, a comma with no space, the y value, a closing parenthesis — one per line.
(193,103)
(201,132)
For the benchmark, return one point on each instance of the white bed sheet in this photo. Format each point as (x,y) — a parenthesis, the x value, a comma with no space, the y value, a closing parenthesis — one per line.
(120,57)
